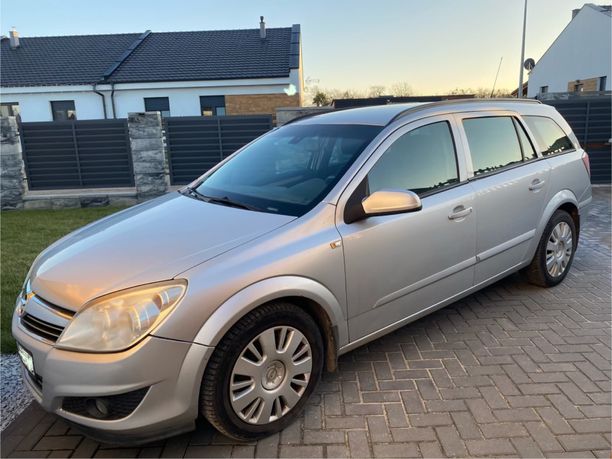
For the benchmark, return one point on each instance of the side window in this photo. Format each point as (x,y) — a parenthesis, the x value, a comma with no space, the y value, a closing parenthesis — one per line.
(212,105)
(493,143)
(549,135)
(421,160)
(63,110)
(528,150)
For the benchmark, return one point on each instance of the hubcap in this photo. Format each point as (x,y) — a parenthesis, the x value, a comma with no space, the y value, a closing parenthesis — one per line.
(559,249)
(271,375)
(274,375)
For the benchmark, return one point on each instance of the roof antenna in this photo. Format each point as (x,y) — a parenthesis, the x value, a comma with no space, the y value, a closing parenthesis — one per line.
(496,75)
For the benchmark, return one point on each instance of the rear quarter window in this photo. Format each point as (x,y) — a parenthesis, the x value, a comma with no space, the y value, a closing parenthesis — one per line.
(549,135)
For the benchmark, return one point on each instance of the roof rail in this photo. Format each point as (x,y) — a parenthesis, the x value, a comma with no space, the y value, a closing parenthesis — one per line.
(454,102)
(309,115)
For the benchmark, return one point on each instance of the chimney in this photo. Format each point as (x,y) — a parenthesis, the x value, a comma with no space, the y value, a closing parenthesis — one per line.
(14,38)
(262,28)
(575,12)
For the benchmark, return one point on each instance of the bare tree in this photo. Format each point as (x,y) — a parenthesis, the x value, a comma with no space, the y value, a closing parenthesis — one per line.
(376,91)
(401,89)
(349,94)
(481,93)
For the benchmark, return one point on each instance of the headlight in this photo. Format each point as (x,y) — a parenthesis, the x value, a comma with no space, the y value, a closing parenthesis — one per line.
(25,294)
(117,321)
(26,291)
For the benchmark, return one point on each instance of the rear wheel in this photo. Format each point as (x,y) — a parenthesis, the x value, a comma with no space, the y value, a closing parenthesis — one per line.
(555,251)
(262,372)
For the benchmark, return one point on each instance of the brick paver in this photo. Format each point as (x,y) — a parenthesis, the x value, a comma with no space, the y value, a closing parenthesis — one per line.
(514,370)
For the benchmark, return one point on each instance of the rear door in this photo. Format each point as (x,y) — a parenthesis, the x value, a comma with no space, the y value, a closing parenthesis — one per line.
(510,183)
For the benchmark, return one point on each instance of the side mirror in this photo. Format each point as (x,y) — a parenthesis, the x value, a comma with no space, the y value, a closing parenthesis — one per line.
(386,202)
(383,202)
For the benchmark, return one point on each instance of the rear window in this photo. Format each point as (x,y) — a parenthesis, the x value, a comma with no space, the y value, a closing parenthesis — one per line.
(549,135)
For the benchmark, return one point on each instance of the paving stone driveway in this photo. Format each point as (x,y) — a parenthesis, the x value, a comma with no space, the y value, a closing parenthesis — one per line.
(514,370)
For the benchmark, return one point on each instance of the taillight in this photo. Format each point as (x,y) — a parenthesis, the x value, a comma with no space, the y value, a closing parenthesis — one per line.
(585,161)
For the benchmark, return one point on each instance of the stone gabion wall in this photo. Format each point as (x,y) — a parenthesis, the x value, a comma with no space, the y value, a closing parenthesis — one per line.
(151,171)
(12,176)
(148,154)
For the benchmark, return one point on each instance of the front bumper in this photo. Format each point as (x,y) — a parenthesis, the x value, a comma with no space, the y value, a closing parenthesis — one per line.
(172,370)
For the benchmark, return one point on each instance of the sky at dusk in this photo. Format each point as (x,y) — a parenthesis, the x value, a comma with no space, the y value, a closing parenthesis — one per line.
(433,46)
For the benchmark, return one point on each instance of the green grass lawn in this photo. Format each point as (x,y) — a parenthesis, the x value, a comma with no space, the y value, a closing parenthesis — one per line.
(23,234)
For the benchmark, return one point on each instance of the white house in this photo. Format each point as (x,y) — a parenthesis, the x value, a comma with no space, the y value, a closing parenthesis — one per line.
(580,59)
(198,73)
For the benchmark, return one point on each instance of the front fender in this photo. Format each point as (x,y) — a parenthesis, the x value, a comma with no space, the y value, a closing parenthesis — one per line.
(232,310)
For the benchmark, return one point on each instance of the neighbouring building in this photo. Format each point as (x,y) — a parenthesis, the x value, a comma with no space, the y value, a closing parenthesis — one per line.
(201,73)
(580,59)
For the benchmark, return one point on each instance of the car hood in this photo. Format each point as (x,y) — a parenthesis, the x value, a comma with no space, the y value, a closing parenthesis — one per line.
(150,242)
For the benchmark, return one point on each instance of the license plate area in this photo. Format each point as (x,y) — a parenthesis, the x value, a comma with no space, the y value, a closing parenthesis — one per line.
(26,359)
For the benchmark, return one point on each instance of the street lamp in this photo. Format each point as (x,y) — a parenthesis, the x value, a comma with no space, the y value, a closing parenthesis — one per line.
(519,94)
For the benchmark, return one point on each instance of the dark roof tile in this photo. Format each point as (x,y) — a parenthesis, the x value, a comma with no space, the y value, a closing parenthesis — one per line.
(166,56)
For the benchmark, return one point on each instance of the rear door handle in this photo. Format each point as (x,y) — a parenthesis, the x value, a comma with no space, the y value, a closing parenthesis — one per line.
(536,184)
(460,212)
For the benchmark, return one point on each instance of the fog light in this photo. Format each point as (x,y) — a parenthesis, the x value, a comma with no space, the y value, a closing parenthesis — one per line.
(97,408)
(107,407)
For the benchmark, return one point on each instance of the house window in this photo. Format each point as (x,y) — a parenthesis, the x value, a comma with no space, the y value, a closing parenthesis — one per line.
(9,109)
(212,105)
(602,83)
(578,87)
(157,104)
(63,110)
(543,89)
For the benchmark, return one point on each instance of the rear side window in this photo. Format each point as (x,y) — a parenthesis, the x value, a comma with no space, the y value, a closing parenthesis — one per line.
(421,160)
(493,143)
(549,135)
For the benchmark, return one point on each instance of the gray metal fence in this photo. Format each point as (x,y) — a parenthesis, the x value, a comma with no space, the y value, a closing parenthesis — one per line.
(591,121)
(77,154)
(197,143)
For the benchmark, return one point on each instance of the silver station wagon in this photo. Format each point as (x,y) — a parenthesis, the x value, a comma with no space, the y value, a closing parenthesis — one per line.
(229,298)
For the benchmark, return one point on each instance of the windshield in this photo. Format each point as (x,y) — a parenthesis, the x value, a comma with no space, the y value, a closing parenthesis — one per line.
(290,170)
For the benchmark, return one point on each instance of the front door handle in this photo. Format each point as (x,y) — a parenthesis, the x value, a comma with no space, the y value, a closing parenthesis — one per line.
(536,184)
(460,212)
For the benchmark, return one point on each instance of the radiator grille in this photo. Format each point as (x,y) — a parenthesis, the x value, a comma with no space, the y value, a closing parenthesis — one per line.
(41,328)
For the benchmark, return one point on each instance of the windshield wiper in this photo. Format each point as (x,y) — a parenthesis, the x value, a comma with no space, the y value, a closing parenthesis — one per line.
(231,203)
(223,201)
(188,191)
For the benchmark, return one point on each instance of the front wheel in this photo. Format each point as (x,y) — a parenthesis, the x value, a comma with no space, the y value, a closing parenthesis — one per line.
(262,372)
(555,251)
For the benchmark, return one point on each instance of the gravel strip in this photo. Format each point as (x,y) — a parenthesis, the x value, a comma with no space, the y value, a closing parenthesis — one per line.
(15,396)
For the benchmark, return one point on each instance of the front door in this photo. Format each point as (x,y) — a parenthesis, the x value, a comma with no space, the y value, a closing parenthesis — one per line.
(399,265)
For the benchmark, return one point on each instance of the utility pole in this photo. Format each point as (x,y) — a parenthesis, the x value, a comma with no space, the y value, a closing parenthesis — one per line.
(519,94)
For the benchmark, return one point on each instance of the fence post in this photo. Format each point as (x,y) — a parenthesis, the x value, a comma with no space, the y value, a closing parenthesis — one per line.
(12,173)
(148,156)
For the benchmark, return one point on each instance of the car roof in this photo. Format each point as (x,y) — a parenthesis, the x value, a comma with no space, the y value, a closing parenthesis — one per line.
(381,115)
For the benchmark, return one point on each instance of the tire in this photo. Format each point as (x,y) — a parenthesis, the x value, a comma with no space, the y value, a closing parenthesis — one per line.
(273,378)
(538,272)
